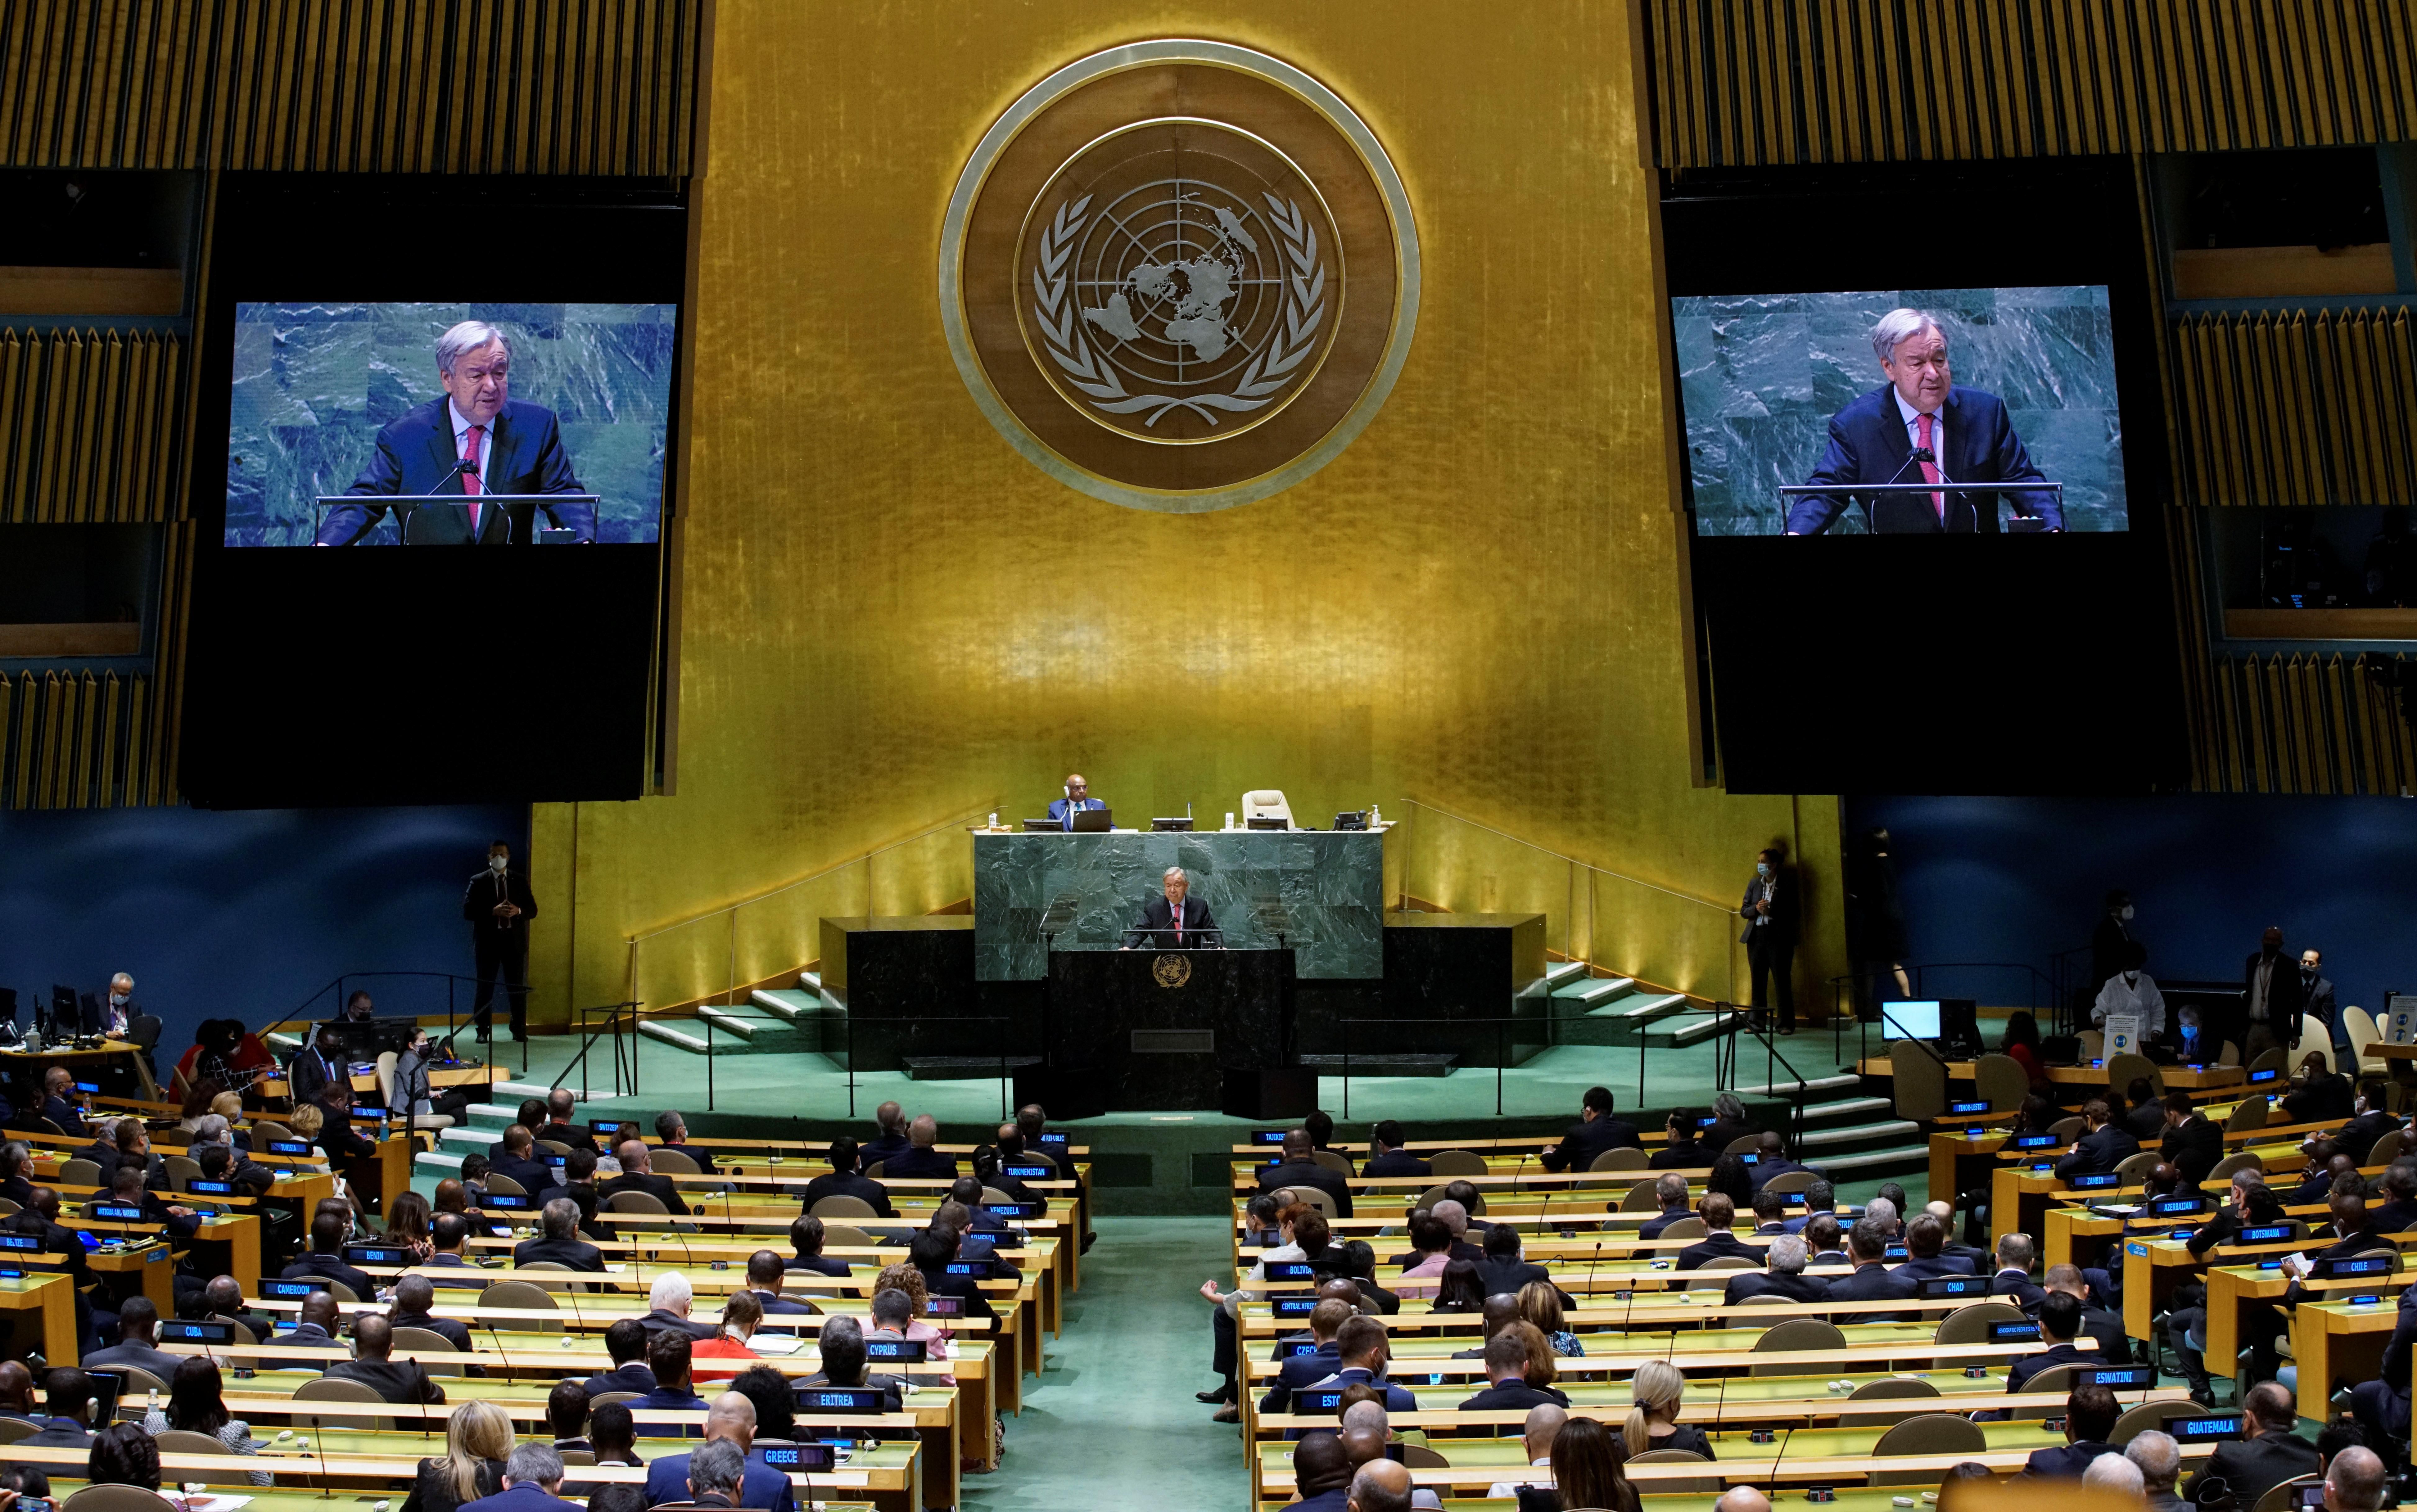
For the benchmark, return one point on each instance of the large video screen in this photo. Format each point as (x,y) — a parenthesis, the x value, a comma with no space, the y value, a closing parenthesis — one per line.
(2002,397)
(379,424)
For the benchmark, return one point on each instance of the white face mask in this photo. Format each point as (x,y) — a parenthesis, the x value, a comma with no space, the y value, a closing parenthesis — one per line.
(1762,868)
(497,863)
(2128,913)
(117,1000)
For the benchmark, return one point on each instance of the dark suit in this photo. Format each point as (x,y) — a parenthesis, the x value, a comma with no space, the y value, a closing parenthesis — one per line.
(2282,1001)
(158,1362)
(2324,1097)
(1588,1139)
(1309,1173)
(760,1487)
(1296,1372)
(2047,1359)
(528,1496)
(879,1148)
(1769,941)
(2317,1001)
(397,1381)
(575,1136)
(1651,1228)
(60,1433)
(332,1267)
(416,455)
(660,1322)
(1512,1396)
(453,1330)
(64,1113)
(2193,1147)
(2098,1151)
(2356,1137)
(2253,1467)
(500,944)
(848,1184)
(775,1303)
(2065,1462)
(1872,1282)
(1763,1170)
(1398,1163)
(2382,1405)
(658,1186)
(633,1376)
(2114,1345)
(818,1264)
(1920,1269)
(2394,1217)
(1497,1276)
(311,1074)
(1720,1242)
(533,1175)
(2018,1289)
(1157,914)
(1683,1155)
(577,1254)
(1869,444)
(920,1165)
(1064,809)
(1775,1283)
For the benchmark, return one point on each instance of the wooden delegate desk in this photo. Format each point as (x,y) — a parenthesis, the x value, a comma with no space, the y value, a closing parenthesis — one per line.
(2337,1341)
(116,1063)
(50,1297)
(884,1477)
(2177,1078)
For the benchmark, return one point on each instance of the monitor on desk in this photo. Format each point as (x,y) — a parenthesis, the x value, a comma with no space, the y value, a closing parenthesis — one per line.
(1095,820)
(1909,1021)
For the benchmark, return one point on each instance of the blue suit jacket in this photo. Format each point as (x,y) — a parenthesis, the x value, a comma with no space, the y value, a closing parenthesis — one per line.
(523,455)
(1063,809)
(762,1488)
(1296,1372)
(1868,445)
(528,1496)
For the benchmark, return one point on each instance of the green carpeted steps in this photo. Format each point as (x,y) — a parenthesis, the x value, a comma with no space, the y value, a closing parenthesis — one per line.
(1848,1132)
(773,1022)
(1610,1010)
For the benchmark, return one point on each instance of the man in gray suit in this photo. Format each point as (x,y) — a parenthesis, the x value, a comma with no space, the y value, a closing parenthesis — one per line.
(138,1321)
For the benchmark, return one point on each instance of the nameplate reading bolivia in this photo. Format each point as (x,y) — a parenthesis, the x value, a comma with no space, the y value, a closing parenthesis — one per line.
(1180,275)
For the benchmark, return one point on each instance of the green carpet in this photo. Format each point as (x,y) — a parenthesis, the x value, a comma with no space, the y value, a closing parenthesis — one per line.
(1113,1407)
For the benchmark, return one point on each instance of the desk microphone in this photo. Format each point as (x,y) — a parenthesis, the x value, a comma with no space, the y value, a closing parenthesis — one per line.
(1780,1454)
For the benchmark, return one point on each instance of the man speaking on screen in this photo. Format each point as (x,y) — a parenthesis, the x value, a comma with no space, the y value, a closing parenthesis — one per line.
(476,440)
(1921,426)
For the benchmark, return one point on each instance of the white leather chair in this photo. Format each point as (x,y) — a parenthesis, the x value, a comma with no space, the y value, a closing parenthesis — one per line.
(386,1064)
(1266,803)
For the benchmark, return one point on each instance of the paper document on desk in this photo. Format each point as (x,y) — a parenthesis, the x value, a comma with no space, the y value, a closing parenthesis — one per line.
(211,1503)
(775,1343)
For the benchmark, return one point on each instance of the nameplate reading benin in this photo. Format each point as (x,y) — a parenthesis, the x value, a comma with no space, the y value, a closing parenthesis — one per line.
(1171,970)
(1174,1042)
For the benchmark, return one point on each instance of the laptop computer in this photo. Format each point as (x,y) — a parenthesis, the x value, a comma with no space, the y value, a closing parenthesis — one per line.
(1095,822)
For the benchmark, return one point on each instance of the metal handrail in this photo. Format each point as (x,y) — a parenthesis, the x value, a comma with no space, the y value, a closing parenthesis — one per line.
(817,876)
(999,1019)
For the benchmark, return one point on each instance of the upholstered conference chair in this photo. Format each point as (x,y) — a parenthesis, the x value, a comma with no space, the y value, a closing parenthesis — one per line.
(1266,803)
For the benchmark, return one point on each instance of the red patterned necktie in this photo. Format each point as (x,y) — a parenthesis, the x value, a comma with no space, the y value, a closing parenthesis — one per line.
(470,476)
(1930,474)
(1176,909)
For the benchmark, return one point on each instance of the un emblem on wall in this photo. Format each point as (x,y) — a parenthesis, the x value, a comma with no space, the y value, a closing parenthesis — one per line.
(1171,970)
(1179,276)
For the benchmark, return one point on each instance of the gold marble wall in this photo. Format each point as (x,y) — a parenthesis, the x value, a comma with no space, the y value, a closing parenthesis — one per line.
(889,619)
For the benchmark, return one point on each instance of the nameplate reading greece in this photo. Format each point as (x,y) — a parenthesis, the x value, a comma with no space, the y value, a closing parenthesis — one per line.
(1180,275)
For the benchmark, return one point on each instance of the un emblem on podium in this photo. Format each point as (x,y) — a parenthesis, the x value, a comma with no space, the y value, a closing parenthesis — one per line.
(1180,275)
(1171,970)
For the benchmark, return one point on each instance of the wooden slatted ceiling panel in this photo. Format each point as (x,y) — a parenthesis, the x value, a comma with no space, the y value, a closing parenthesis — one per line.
(2309,725)
(86,424)
(2292,407)
(535,86)
(1753,81)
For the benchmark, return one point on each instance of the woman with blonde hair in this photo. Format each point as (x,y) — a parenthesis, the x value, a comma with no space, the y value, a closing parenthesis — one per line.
(478,1440)
(1654,1421)
(1540,1303)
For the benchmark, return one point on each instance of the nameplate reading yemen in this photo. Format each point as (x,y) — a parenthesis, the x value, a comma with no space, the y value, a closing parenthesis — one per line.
(1180,275)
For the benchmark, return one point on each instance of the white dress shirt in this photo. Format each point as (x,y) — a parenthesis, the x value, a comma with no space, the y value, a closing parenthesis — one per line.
(462,424)
(1913,438)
